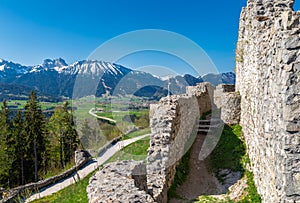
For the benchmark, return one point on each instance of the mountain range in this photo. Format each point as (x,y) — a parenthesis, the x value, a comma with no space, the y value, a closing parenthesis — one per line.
(55,79)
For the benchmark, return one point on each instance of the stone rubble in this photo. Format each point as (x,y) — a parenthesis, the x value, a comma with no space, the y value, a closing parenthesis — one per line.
(119,182)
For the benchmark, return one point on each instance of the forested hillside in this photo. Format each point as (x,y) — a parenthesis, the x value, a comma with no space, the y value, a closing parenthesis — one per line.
(31,145)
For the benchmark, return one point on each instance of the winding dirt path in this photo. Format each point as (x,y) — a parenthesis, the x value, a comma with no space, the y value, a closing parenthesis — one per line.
(199,181)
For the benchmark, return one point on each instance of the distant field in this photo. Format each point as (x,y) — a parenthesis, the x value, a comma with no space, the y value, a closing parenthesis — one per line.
(118,110)
(136,151)
(20,104)
(137,133)
(120,114)
(127,112)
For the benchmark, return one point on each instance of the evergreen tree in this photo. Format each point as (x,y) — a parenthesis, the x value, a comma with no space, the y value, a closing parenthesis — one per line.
(71,138)
(57,136)
(5,163)
(63,135)
(35,133)
(20,148)
(25,148)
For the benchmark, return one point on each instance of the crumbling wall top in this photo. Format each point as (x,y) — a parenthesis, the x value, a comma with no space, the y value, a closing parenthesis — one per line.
(267,7)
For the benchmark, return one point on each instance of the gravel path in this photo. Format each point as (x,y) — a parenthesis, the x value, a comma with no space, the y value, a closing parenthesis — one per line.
(199,181)
(83,172)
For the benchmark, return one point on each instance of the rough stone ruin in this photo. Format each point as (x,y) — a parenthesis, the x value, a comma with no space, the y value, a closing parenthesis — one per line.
(266,102)
(120,182)
(174,127)
(268,80)
(81,156)
(229,101)
(174,123)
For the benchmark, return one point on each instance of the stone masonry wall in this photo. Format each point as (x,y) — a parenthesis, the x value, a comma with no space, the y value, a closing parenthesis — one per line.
(173,122)
(268,79)
(173,126)
(229,103)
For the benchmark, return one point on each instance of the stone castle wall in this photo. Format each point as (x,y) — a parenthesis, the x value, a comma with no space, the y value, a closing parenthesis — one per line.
(268,80)
(173,125)
(229,103)
(173,122)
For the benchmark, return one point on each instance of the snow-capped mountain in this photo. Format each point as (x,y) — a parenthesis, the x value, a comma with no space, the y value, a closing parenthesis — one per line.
(57,78)
(222,78)
(9,71)
(49,65)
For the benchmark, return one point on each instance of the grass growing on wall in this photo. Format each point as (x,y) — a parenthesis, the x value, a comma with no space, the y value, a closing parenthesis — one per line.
(239,55)
(211,199)
(252,195)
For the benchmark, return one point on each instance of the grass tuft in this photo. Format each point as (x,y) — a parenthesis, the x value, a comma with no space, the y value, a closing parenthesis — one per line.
(229,152)
(182,172)
(204,115)
(252,195)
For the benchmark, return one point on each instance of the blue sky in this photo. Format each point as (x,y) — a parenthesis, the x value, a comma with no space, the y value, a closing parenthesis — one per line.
(33,30)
